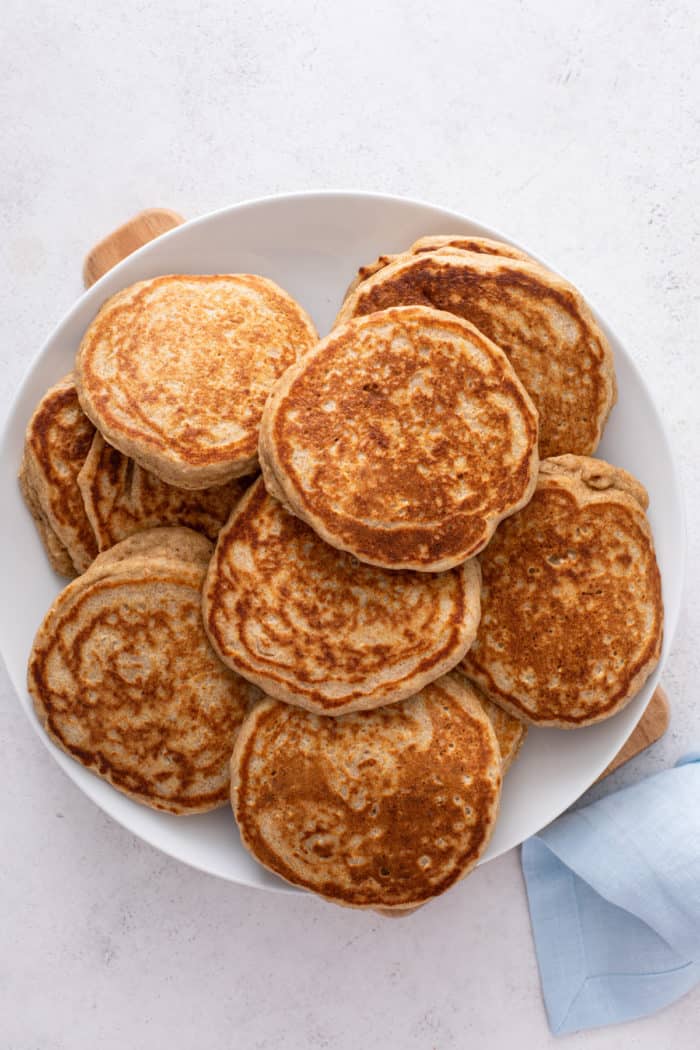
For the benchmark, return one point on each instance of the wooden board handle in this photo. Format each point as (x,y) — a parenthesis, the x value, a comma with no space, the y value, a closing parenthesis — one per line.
(139,230)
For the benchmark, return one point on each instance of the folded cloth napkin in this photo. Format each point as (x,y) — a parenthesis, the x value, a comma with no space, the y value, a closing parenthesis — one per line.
(614,895)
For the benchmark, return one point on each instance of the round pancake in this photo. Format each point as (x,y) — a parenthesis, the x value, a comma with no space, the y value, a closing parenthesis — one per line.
(541,322)
(572,614)
(124,680)
(174,371)
(403,438)
(313,626)
(122,498)
(379,809)
(56,445)
(438,243)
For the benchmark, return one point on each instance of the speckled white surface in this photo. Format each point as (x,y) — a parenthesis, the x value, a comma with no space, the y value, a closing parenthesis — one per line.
(574,127)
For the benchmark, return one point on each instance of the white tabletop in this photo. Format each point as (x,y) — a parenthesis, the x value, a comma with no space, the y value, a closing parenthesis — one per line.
(576,133)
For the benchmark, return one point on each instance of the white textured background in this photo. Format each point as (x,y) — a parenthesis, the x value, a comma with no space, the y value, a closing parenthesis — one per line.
(575,128)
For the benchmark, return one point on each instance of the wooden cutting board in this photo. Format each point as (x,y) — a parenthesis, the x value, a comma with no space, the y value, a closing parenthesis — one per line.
(151,223)
(650,728)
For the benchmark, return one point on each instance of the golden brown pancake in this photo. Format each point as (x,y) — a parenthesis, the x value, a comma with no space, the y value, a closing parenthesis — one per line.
(440,243)
(538,319)
(572,614)
(378,809)
(124,680)
(174,371)
(122,498)
(403,438)
(56,445)
(313,626)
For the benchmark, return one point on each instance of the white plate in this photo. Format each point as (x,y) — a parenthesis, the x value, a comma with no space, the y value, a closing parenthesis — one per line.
(311,244)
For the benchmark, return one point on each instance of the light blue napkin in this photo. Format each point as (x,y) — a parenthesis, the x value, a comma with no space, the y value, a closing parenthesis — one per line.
(614,894)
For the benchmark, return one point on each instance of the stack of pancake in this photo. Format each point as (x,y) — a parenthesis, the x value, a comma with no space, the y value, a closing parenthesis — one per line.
(352,643)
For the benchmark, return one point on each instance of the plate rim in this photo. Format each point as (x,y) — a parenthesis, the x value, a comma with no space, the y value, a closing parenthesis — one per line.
(671,616)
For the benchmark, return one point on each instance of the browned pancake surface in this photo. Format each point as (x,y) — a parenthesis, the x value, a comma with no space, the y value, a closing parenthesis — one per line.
(386,808)
(572,613)
(124,680)
(313,626)
(403,438)
(537,318)
(175,371)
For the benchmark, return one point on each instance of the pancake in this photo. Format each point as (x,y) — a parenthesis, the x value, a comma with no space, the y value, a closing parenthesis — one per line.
(159,544)
(174,371)
(122,498)
(450,242)
(58,555)
(510,732)
(379,809)
(572,614)
(56,445)
(403,438)
(312,626)
(541,322)
(124,680)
